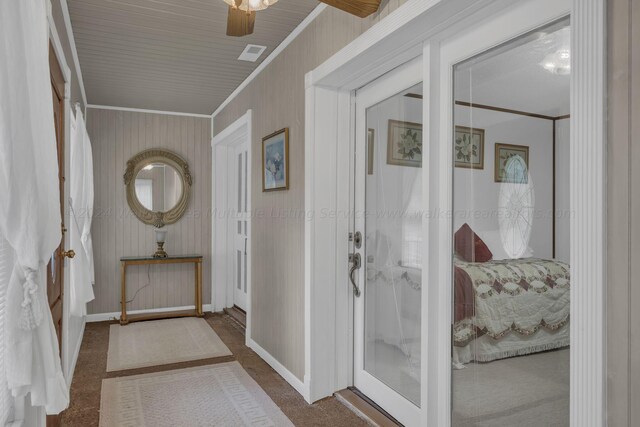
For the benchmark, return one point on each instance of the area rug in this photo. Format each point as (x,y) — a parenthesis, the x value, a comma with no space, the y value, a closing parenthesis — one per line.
(161,342)
(214,395)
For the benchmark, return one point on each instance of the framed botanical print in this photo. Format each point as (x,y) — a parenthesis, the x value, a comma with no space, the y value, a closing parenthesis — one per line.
(404,146)
(275,161)
(469,148)
(519,172)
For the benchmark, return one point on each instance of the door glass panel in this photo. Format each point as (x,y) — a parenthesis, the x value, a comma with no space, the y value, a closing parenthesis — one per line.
(511,233)
(393,229)
(239,182)
(245,181)
(239,269)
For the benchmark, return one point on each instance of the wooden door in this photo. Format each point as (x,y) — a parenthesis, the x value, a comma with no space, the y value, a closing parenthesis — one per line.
(55,271)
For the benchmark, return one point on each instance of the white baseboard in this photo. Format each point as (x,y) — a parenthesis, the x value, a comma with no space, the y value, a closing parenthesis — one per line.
(103,317)
(278,367)
(76,353)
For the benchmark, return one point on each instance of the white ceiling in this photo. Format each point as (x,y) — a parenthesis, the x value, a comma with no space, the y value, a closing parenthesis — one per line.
(170,55)
(513,78)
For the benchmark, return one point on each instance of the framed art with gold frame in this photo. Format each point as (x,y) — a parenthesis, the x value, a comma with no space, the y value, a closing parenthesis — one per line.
(404,146)
(503,153)
(275,161)
(469,148)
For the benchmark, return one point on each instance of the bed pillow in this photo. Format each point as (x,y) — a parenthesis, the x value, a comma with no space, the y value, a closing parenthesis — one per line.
(470,246)
(493,240)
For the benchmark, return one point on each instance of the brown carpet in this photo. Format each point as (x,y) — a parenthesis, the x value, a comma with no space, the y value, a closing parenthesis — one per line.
(84,410)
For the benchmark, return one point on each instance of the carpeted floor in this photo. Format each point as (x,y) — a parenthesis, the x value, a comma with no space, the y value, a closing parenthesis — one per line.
(84,410)
(526,391)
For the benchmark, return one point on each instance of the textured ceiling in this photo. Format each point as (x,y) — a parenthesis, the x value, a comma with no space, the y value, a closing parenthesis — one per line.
(170,55)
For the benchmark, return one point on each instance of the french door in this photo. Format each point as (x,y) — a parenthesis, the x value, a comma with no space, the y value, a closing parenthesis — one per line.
(240,225)
(386,263)
(55,267)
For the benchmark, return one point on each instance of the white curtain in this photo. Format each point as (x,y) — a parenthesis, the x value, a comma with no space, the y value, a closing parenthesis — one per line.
(29,202)
(6,267)
(81,202)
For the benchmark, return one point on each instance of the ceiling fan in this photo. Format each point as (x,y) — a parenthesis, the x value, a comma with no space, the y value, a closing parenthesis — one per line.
(242,13)
(360,8)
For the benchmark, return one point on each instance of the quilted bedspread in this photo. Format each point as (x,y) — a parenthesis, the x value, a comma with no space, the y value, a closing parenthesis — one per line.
(499,297)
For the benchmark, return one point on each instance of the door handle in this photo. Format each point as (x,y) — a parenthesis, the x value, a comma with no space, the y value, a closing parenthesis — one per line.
(356,264)
(69,254)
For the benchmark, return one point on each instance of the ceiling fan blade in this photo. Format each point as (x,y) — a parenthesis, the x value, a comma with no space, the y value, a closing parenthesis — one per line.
(240,23)
(361,8)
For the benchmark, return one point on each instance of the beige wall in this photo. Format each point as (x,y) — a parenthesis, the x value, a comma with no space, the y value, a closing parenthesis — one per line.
(116,136)
(623,313)
(276,97)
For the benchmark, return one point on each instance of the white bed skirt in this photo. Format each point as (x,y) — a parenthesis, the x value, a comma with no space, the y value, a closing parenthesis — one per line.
(486,349)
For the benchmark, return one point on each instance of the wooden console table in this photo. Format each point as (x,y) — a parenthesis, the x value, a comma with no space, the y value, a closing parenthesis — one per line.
(148,260)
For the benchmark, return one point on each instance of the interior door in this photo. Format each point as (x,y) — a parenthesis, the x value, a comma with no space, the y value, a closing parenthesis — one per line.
(241,226)
(386,264)
(55,268)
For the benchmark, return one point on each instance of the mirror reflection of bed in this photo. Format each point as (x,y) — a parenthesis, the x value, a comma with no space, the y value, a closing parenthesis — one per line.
(511,277)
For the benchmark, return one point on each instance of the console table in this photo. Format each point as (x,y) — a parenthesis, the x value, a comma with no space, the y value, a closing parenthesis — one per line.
(149,260)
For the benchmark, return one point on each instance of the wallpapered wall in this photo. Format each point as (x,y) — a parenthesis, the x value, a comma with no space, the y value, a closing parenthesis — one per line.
(276,97)
(623,211)
(116,136)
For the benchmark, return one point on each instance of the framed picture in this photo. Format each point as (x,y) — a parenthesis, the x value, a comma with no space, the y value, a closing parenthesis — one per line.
(504,152)
(275,161)
(404,146)
(371,146)
(469,148)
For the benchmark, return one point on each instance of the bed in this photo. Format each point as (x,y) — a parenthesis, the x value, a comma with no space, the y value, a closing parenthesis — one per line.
(509,308)
(502,308)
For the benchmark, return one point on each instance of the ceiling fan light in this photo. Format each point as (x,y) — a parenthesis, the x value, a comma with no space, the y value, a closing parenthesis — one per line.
(558,62)
(251,5)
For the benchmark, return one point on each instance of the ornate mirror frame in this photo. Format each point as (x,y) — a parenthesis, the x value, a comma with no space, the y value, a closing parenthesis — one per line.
(139,162)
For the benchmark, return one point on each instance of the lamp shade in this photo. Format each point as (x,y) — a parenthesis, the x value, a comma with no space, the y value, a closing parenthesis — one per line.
(161,236)
(251,5)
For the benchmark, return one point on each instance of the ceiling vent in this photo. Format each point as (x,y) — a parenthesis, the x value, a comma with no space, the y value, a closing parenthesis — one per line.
(252,52)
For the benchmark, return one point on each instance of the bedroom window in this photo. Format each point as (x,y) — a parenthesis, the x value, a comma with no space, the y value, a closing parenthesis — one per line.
(511,233)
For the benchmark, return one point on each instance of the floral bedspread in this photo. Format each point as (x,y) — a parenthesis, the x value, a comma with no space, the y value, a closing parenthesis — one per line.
(499,297)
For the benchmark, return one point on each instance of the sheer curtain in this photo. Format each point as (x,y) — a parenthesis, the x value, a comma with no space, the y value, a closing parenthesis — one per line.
(6,265)
(29,204)
(81,203)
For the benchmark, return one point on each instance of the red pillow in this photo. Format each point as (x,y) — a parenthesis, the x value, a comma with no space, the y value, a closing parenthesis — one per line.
(471,247)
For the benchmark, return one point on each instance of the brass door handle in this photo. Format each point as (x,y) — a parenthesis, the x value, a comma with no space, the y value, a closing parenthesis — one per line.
(69,254)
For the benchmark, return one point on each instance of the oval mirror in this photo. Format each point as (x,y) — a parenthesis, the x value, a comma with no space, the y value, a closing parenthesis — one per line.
(158,186)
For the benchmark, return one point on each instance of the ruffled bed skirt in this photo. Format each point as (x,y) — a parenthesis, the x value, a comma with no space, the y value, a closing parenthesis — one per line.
(487,349)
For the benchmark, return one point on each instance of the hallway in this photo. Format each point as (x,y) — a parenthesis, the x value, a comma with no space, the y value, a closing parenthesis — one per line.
(84,410)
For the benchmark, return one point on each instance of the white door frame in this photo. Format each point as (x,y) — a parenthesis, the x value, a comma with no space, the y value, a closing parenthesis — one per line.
(419,27)
(222,276)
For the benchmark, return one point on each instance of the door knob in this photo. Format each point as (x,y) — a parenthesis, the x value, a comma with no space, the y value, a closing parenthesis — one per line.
(357,263)
(69,254)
